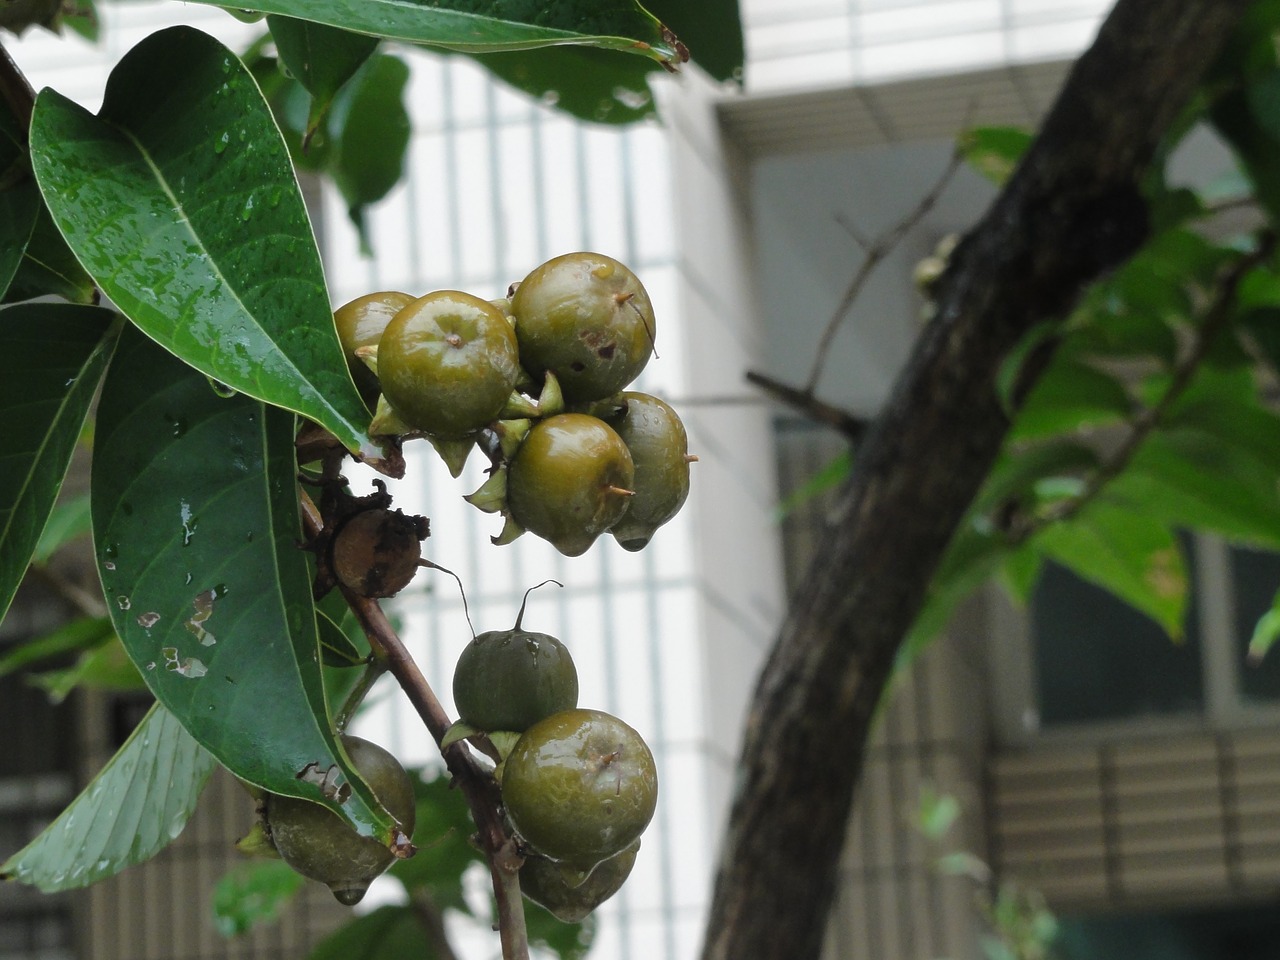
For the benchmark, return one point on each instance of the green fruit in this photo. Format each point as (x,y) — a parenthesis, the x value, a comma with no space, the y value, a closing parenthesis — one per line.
(447,364)
(361,323)
(659,449)
(320,845)
(511,679)
(586,317)
(565,894)
(569,481)
(580,786)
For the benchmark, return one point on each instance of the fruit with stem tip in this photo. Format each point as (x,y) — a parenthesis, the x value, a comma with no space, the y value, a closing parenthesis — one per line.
(321,845)
(377,552)
(569,481)
(360,323)
(659,448)
(586,317)
(447,363)
(580,786)
(511,679)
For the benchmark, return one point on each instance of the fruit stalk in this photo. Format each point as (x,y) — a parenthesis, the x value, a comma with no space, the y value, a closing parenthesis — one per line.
(479,789)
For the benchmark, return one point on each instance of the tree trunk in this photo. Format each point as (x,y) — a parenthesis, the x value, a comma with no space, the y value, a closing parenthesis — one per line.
(1071,212)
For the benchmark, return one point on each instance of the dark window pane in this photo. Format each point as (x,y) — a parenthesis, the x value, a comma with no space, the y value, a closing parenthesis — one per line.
(1096,658)
(1256,576)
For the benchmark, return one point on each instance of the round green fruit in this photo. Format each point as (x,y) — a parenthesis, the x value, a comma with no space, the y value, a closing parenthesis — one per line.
(569,481)
(320,845)
(659,449)
(511,679)
(586,317)
(565,894)
(361,323)
(447,363)
(580,786)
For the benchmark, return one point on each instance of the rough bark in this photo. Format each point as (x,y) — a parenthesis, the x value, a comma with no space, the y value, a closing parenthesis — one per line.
(1070,212)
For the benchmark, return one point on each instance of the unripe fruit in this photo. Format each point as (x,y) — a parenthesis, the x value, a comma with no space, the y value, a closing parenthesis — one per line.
(361,323)
(447,364)
(511,679)
(320,845)
(547,884)
(588,318)
(659,449)
(580,786)
(569,481)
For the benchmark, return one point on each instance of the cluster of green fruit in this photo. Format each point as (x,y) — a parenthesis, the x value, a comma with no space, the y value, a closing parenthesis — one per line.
(537,379)
(579,786)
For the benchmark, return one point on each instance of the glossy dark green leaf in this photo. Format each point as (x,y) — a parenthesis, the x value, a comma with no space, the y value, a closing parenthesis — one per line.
(19,197)
(83,633)
(995,151)
(1133,555)
(711,29)
(105,667)
(387,933)
(253,893)
(129,812)
(1070,395)
(49,268)
(320,57)
(475,26)
(180,200)
(369,131)
(593,85)
(50,366)
(196,526)
(69,521)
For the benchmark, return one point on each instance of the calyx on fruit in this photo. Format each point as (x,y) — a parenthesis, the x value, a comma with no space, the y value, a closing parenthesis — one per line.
(588,318)
(580,786)
(659,448)
(447,363)
(511,679)
(569,481)
(549,884)
(360,323)
(320,845)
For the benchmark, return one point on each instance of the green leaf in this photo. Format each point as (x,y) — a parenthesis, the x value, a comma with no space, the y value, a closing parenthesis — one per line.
(19,197)
(69,521)
(53,358)
(1018,470)
(253,893)
(442,836)
(1131,554)
(369,133)
(388,933)
(83,633)
(320,57)
(196,525)
(568,941)
(180,200)
(830,476)
(1020,572)
(1236,117)
(49,268)
(130,811)
(474,27)
(1265,632)
(1069,396)
(711,29)
(590,84)
(105,667)
(995,151)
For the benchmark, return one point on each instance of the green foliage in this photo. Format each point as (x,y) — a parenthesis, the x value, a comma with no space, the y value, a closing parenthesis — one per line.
(253,893)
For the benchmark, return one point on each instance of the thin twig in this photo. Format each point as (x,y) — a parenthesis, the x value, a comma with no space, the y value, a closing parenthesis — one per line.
(1217,318)
(479,788)
(804,401)
(875,252)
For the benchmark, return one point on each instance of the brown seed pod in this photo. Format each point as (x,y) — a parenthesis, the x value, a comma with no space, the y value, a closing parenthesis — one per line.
(376,552)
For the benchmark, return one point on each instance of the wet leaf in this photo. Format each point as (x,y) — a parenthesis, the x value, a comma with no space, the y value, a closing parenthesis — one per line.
(180,200)
(129,812)
(321,58)
(53,358)
(251,894)
(507,25)
(19,197)
(196,526)
(49,268)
